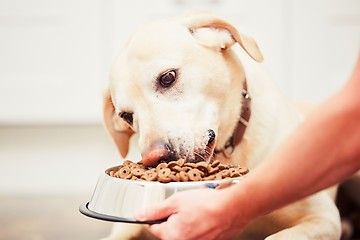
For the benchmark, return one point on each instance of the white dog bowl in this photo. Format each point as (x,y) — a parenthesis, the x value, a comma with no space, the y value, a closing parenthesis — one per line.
(118,200)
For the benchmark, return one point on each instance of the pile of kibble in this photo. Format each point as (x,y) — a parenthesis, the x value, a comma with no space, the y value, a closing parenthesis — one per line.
(177,171)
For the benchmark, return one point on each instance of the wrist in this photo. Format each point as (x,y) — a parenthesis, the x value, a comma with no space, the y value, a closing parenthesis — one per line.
(238,205)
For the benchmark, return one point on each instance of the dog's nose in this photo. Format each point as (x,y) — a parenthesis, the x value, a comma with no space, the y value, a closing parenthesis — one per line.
(212,136)
(156,153)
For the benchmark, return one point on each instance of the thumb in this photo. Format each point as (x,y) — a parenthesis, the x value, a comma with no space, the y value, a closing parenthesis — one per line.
(157,212)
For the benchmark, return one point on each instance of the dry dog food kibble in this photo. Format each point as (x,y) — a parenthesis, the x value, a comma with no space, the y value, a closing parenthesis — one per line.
(177,171)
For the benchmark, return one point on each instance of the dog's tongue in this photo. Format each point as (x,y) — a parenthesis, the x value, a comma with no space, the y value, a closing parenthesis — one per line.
(153,155)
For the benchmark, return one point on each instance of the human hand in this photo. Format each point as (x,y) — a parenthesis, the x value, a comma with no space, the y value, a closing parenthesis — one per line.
(194,214)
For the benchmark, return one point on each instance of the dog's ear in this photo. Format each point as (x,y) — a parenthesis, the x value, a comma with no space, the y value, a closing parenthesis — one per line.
(118,129)
(215,32)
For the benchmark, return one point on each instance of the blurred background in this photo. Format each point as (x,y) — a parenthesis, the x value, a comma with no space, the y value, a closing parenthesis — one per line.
(55,57)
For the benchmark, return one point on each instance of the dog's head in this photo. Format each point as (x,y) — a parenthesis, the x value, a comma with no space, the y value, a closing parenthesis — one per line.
(170,84)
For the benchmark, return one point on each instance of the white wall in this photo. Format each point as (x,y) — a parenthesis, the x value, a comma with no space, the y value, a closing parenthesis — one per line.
(55,57)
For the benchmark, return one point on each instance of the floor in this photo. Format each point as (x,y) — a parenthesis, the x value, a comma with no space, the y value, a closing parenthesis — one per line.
(53,217)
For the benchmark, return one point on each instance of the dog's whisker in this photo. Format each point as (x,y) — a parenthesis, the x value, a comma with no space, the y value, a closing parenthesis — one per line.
(204,156)
(199,156)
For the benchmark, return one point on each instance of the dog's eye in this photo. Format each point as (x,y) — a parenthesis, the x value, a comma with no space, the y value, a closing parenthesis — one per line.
(167,79)
(127,116)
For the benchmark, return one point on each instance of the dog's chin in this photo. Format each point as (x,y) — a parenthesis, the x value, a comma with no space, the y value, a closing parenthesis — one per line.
(206,155)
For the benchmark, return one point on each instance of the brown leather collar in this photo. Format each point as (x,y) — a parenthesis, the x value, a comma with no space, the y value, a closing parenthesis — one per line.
(240,128)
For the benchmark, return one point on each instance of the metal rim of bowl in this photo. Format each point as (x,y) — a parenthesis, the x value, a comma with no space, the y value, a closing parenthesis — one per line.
(87,212)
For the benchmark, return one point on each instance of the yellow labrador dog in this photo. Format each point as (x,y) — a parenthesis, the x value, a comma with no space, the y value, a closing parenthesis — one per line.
(193,87)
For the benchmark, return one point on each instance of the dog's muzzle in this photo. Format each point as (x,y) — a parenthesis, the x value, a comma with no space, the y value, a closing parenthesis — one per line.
(163,152)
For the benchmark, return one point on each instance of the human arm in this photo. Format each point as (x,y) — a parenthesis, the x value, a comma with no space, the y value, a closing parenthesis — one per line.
(322,151)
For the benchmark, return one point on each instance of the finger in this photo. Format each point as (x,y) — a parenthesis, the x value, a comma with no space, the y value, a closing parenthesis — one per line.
(156,230)
(158,212)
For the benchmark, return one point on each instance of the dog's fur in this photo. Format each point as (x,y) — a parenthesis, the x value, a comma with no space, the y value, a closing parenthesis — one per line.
(211,60)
